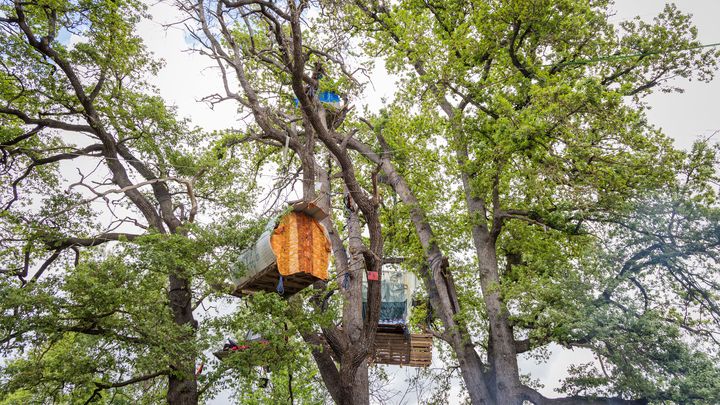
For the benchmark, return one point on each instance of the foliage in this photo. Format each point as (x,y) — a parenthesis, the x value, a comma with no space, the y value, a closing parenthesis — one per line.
(519,128)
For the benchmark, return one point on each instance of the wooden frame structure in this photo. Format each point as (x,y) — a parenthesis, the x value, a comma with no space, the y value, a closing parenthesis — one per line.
(290,255)
(414,350)
(268,279)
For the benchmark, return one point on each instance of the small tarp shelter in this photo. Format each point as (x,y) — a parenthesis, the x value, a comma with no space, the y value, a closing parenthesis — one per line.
(393,343)
(396,290)
(251,339)
(328,98)
(290,255)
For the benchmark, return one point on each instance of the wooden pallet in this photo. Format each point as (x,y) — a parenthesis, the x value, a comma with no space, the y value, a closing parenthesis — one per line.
(399,349)
(267,280)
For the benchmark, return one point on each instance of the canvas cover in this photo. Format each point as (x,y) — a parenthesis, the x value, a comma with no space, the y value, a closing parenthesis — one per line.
(256,258)
(396,290)
(296,243)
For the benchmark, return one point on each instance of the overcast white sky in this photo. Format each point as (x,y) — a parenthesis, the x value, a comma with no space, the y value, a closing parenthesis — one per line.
(684,117)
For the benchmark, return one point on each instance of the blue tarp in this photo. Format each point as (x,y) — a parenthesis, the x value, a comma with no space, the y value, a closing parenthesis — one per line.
(329,97)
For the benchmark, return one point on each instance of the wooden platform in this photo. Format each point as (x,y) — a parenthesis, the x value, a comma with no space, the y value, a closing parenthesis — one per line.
(399,349)
(267,280)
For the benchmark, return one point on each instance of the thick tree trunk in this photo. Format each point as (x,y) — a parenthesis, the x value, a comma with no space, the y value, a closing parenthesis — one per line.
(182,385)
(355,385)
(354,377)
(507,387)
(471,369)
(348,382)
(438,282)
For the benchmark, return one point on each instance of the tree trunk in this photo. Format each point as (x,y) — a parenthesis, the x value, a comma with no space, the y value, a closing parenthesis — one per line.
(182,385)
(471,369)
(438,282)
(507,388)
(355,385)
(354,378)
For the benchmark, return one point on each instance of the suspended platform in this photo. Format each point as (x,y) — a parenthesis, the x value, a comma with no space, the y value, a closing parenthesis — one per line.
(292,254)
(393,344)
(413,350)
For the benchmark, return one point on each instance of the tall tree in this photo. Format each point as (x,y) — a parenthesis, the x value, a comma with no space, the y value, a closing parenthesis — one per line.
(526,186)
(266,58)
(91,157)
(543,117)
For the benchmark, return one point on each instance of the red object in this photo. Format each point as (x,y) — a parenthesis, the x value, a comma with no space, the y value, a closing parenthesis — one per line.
(247,346)
(372,275)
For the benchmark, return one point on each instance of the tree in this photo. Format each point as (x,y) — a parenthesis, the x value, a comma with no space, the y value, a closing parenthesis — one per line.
(543,116)
(90,157)
(263,48)
(515,172)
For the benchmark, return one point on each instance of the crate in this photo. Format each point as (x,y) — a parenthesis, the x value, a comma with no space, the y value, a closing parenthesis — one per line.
(414,350)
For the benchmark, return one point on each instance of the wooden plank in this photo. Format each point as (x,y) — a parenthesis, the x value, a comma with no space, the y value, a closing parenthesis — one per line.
(267,280)
(398,349)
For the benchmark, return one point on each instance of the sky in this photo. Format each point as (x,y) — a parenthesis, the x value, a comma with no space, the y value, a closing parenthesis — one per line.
(186,79)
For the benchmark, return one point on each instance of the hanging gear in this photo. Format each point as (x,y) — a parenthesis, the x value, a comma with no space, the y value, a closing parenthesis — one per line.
(280,287)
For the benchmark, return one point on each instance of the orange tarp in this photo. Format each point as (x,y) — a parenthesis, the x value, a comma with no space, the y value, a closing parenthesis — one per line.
(301,246)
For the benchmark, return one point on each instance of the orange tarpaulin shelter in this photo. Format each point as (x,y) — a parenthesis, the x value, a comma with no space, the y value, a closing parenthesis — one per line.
(300,245)
(291,254)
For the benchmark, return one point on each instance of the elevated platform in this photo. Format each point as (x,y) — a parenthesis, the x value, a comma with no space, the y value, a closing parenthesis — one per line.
(294,246)
(414,350)
(267,280)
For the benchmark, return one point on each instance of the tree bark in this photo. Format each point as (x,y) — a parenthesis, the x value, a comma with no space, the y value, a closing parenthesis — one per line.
(503,357)
(536,398)
(437,280)
(182,385)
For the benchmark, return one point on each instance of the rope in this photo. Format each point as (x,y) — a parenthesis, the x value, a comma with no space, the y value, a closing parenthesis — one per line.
(285,150)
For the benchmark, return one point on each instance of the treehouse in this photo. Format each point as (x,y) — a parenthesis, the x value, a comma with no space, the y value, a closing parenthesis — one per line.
(393,343)
(290,255)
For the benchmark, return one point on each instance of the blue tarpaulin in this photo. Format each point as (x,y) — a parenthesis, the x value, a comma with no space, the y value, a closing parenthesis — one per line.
(329,97)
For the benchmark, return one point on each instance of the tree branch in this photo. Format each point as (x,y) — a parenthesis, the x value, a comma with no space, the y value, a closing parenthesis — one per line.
(536,398)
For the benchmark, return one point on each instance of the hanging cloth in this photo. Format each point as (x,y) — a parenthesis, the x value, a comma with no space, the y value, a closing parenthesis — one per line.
(280,287)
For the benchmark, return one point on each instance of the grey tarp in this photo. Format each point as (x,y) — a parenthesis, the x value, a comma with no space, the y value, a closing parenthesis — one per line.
(396,290)
(256,258)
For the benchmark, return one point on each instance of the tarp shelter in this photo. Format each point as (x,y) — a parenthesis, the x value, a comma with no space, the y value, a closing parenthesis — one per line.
(329,98)
(291,254)
(251,339)
(396,290)
(393,343)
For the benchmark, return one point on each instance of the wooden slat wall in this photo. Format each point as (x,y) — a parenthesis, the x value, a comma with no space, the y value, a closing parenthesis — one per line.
(396,348)
(301,250)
